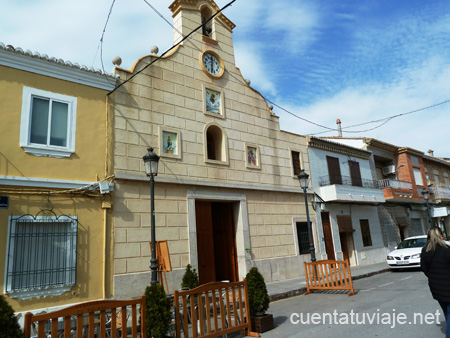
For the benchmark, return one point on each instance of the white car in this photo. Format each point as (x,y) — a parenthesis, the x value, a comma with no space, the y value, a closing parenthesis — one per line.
(407,253)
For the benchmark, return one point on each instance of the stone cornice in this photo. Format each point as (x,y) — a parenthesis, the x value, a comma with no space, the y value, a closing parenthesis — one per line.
(437,160)
(210,184)
(380,145)
(337,148)
(411,151)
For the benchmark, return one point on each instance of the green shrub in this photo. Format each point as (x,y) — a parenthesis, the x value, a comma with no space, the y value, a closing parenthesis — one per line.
(258,297)
(158,314)
(9,327)
(190,279)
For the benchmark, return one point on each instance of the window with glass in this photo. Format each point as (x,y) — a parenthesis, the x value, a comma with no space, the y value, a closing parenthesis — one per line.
(296,166)
(417,176)
(48,123)
(304,244)
(41,255)
(365,232)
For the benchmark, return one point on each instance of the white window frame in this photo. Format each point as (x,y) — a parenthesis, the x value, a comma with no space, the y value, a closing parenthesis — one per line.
(70,260)
(25,124)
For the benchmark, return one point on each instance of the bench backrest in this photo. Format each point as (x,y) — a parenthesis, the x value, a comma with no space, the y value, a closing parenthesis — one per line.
(89,317)
(212,310)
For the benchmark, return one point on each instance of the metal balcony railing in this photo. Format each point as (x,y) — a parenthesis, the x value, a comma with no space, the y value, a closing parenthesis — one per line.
(394,184)
(347,180)
(441,193)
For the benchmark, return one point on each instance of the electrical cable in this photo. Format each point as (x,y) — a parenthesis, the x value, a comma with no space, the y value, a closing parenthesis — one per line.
(101,43)
(383,120)
(174,46)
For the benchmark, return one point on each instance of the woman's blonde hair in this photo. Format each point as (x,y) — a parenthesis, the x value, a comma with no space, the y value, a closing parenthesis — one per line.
(434,238)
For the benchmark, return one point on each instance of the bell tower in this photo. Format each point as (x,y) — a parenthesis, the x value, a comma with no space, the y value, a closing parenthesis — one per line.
(189,14)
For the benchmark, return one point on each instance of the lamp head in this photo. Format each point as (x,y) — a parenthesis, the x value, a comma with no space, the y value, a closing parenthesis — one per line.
(151,162)
(303,178)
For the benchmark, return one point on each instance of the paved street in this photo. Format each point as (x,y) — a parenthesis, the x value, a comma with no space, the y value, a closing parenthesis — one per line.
(387,305)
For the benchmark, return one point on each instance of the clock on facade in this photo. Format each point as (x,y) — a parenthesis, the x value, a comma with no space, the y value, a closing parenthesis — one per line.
(212,64)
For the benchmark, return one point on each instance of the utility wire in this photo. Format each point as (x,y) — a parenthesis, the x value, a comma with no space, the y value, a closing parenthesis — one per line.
(168,50)
(162,17)
(101,41)
(383,120)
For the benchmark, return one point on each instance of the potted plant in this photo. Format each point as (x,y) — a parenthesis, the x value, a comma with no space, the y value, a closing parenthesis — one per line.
(190,278)
(158,315)
(259,300)
(9,325)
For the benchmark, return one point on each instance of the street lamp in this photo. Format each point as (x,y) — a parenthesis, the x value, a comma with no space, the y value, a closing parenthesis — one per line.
(303,177)
(426,196)
(151,169)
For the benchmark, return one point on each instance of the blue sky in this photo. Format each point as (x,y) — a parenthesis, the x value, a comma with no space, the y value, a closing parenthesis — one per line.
(322,60)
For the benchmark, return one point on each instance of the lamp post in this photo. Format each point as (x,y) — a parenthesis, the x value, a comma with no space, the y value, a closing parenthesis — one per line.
(426,196)
(303,177)
(151,169)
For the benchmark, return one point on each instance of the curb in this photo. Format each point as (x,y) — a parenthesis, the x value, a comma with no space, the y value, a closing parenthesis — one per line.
(300,291)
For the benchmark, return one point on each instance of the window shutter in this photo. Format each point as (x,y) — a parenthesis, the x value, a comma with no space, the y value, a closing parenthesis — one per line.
(334,170)
(355,173)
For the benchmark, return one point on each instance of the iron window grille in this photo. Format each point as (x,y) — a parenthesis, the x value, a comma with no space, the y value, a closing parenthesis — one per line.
(304,245)
(41,253)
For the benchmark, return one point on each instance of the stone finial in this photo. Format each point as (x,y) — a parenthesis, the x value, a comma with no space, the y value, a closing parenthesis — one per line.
(117,61)
(270,107)
(154,49)
(247,81)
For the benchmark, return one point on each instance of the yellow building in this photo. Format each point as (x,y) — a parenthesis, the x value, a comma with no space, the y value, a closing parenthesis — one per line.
(55,190)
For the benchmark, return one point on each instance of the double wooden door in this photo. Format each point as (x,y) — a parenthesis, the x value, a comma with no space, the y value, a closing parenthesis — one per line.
(216,242)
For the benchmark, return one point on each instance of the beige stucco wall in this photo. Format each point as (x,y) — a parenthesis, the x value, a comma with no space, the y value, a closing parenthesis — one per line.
(170,94)
(270,217)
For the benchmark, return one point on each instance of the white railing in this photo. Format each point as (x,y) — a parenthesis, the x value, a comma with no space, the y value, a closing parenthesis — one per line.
(387,183)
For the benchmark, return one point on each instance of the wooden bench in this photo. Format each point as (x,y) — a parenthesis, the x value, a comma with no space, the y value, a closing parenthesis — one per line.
(328,275)
(212,310)
(90,318)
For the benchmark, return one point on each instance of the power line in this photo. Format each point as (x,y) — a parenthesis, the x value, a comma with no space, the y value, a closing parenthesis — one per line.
(101,41)
(156,11)
(174,46)
(383,120)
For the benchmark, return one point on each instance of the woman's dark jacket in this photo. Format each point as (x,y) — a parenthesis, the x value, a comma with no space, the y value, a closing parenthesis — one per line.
(436,266)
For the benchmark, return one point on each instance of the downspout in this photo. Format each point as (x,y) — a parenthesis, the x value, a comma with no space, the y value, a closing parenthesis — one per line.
(104,251)
(106,205)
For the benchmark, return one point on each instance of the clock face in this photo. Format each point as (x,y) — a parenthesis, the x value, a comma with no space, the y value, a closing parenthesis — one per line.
(211,64)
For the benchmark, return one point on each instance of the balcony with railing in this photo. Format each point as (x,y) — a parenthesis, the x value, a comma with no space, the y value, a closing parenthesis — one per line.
(338,188)
(394,189)
(388,183)
(441,193)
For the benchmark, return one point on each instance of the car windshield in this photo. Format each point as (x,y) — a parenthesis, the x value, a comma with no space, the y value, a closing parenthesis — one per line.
(412,243)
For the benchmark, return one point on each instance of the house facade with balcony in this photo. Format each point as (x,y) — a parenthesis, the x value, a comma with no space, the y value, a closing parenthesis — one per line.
(401,174)
(438,179)
(345,201)
(53,162)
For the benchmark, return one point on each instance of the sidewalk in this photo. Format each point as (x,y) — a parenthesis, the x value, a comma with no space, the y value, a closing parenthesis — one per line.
(297,286)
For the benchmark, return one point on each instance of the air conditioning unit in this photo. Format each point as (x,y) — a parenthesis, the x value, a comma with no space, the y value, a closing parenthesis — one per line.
(390,169)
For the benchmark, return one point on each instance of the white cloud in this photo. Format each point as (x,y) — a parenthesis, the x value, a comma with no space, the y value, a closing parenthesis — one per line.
(419,88)
(253,67)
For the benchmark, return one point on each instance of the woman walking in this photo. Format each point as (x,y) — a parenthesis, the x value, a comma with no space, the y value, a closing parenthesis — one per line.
(435,263)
